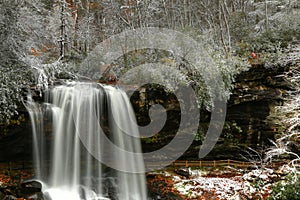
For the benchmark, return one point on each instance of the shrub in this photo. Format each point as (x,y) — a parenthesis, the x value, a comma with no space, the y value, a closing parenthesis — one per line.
(287,190)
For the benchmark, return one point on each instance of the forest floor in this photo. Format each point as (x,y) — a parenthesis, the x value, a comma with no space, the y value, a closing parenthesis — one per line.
(12,185)
(225,183)
(218,184)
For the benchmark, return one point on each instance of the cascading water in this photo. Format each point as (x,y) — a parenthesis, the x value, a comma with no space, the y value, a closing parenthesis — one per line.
(85,118)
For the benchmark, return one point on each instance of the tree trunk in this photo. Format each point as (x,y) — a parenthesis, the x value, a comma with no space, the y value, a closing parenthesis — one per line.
(62,31)
(266,15)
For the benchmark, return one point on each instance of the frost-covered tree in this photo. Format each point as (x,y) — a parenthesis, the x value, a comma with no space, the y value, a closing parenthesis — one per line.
(286,117)
(14,72)
(25,47)
(276,22)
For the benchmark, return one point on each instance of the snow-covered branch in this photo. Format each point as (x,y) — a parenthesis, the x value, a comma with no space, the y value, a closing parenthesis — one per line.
(287,142)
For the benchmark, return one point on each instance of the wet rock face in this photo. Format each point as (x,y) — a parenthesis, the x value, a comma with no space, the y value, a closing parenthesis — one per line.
(259,83)
(250,117)
(256,93)
(15,142)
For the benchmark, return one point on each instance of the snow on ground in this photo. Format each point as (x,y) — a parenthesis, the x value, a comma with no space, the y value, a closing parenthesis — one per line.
(224,188)
(243,186)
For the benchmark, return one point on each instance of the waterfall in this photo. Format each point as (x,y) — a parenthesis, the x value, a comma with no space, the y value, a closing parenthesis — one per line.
(86,119)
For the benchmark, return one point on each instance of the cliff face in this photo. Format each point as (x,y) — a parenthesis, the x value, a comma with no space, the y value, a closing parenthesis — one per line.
(256,93)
